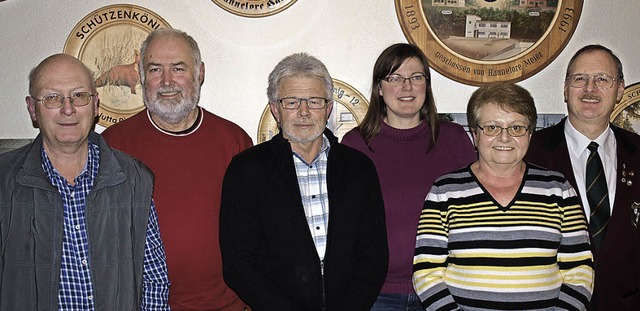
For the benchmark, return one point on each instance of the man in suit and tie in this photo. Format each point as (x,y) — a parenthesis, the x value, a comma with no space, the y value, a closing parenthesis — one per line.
(601,162)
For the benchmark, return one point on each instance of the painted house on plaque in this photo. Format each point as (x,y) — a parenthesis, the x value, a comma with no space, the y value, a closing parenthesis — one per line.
(475,27)
(542,5)
(451,3)
(533,3)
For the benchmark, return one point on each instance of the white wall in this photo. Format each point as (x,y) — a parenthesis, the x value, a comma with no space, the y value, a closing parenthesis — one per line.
(239,52)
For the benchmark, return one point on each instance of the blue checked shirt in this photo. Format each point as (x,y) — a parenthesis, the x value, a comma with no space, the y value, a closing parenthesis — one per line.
(312,180)
(76,291)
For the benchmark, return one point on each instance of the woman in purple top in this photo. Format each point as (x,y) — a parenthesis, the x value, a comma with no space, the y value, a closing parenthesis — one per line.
(410,147)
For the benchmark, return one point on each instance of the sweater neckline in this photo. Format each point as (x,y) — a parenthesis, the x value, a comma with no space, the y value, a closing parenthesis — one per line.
(192,129)
(403,134)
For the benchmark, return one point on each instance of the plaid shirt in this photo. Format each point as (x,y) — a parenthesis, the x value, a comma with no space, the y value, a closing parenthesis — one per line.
(76,291)
(312,180)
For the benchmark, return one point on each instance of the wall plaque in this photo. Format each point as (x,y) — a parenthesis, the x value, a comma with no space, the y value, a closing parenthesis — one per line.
(627,112)
(254,8)
(108,41)
(349,108)
(479,41)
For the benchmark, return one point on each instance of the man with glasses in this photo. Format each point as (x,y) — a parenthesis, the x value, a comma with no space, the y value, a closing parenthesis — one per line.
(188,149)
(600,160)
(77,221)
(302,224)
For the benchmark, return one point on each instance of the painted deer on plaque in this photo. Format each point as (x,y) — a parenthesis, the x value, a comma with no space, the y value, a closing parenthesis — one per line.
(122,75)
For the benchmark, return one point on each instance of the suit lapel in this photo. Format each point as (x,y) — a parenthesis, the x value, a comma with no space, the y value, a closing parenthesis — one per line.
(628,187)
(558,152)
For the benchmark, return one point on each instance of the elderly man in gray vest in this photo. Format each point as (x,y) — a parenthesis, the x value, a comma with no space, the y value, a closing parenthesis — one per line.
(77,221)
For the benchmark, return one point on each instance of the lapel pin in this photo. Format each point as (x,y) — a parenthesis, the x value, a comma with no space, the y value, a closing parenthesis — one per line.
(627,175)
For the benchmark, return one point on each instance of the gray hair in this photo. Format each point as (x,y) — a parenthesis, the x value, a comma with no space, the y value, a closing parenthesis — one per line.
(170,33)
(299,65)
(34,74)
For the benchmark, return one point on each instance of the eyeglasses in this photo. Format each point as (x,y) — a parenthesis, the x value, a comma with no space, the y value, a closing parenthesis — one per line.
(293,103)
(513,131)
(415,80)
(602,81)
(55,101)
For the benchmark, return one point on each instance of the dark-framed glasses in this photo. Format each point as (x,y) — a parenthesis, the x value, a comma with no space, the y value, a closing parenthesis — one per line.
(293,103)
(513,130)
(602,81)
(54,101)
(397,80)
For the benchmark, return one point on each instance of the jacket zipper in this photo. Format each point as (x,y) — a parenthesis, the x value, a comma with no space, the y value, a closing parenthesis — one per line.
(324,296)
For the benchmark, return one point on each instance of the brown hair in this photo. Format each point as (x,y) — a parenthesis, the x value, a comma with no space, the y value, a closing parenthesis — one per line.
(597,47)
(508,96)
(389,61)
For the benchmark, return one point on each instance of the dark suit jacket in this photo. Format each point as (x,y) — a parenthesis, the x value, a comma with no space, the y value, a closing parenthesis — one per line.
(617,264)
(269,258)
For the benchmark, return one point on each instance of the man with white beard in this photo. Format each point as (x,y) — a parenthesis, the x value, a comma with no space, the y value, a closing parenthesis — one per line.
(188,149)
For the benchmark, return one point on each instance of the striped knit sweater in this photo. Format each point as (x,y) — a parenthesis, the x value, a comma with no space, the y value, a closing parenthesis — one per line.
(473,254)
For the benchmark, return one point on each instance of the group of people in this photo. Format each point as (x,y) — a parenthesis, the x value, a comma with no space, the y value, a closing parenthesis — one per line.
(174,208)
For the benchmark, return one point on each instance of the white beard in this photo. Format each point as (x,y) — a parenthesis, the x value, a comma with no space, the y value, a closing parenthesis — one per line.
(172,111)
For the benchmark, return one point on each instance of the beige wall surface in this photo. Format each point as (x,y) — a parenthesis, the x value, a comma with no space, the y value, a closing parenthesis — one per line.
(239,52)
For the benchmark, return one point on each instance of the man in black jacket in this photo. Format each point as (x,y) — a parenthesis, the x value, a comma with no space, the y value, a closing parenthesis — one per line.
(302,218)
(594,84)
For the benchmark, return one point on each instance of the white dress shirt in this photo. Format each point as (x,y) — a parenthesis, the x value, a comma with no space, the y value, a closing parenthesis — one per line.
(577,144)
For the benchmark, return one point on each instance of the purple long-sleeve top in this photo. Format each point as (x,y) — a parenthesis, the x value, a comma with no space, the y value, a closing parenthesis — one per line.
(407,169)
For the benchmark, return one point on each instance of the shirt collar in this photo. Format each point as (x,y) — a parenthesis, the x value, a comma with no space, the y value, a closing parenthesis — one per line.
(323,150)
(90,170)
(578,142)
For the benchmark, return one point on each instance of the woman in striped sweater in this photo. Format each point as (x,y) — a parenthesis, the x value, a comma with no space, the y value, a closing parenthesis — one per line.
(502,234)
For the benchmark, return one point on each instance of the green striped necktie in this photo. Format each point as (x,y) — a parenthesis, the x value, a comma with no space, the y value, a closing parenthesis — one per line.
(597,195)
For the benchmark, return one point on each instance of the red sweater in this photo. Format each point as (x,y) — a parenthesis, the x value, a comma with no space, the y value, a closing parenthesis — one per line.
(407,172)
(188,182)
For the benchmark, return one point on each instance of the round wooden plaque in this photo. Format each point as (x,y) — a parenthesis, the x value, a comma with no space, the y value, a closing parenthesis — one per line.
(108,41)
(254,8)
(481,41)
(627,112)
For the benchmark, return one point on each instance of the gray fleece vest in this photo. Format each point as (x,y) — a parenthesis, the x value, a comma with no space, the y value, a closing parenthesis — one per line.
(31,224)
